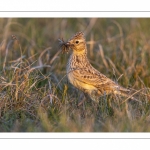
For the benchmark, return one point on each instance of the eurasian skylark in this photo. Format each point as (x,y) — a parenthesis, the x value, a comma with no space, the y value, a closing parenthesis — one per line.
(83,75)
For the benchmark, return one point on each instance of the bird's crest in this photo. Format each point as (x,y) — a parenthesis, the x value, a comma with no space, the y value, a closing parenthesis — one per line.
(78,35)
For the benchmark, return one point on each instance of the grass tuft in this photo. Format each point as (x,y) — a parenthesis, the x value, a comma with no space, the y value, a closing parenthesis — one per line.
(35,95)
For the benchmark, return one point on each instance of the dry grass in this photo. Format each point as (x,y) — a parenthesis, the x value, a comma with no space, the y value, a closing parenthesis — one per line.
(35,95)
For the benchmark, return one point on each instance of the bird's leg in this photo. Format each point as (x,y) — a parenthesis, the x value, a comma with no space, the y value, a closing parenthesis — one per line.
(94,95)
(81,104)
(82,98)
(105,102)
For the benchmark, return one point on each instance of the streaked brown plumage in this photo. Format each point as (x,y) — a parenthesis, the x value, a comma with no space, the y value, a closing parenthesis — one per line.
(83,75)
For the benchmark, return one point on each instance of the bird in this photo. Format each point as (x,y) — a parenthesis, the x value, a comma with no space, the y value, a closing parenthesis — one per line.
(82,75)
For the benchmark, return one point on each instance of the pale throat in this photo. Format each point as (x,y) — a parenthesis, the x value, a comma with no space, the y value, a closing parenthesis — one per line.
(80,52)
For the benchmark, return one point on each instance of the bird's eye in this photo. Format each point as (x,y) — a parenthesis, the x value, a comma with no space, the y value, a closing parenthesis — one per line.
(77,42)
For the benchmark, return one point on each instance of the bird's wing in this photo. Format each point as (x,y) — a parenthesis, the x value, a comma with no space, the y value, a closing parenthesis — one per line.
(91,76)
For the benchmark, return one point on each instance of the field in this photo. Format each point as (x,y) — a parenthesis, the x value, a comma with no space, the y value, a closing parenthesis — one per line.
(35,95)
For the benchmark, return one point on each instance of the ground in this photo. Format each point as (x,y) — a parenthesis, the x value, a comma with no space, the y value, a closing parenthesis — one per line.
(35,95)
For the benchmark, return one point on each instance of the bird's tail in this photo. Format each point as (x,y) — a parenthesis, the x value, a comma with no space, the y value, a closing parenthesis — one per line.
(125,93)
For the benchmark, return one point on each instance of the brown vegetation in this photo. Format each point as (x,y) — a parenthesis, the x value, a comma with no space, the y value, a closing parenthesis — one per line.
(35,94)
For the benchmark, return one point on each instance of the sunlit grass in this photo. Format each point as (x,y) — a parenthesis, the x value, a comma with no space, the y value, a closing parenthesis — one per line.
(35,95)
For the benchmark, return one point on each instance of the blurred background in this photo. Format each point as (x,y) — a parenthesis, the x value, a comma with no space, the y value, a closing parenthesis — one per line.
(34,92)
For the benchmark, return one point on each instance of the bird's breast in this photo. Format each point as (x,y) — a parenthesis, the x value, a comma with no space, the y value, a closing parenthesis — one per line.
(77,82)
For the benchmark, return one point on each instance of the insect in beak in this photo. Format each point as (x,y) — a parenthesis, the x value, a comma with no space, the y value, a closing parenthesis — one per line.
(67,43)
(64,46)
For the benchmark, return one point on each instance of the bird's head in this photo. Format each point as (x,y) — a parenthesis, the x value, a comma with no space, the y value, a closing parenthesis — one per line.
(77,43)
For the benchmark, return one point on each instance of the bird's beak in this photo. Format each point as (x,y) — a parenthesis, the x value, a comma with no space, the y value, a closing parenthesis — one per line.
(68,43)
